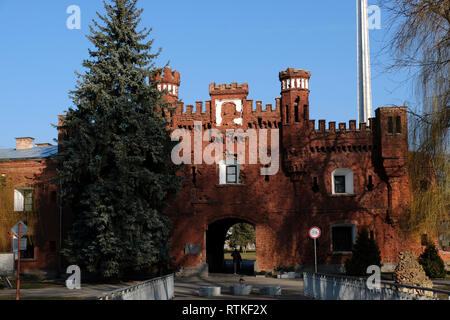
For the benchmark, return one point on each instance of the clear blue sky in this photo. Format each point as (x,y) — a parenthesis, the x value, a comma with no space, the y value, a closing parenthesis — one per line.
(207,41)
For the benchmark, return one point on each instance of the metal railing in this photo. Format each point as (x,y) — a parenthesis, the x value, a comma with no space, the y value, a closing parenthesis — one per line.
(337,287)
(161,288)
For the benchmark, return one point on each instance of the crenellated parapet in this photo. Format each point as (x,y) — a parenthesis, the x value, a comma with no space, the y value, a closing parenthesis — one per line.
(294,79)
(228,89)
(341,127)
(304,141)
(253,114)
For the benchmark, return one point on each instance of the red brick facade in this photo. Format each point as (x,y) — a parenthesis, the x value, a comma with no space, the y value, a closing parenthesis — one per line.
(284,206)
(37,175)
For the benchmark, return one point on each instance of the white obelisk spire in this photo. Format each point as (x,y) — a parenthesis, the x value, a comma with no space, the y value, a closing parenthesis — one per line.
(364,86)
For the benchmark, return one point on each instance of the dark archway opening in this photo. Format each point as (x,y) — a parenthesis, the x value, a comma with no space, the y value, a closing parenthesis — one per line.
(215,241)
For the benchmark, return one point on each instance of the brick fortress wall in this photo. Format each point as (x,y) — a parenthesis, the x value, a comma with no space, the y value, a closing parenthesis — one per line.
(284,206)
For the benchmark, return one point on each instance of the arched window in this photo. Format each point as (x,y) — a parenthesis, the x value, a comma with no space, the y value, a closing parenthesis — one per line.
(342,181)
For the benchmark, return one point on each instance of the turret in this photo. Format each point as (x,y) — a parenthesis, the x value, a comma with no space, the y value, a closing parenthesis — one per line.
(392,134)
(294,107)
(294,96)
(169,83)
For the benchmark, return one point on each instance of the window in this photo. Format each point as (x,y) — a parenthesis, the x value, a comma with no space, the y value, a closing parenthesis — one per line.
(231,174)
(23,200)
(287,114)
(305,112)
(339,184)
(443,237)
(296,113)
(370,185)
(315,187)
(343,237)
(342,181)
(194,176)
(29,252)
(390,125)
(229,171)
(398,125)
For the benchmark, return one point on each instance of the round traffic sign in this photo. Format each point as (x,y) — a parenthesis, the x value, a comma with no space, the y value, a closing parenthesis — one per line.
(314,232)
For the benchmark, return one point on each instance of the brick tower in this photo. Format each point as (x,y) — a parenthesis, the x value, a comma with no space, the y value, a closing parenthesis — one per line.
(294,106)
(169,83)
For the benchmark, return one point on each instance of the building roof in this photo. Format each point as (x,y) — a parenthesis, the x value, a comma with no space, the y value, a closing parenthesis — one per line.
(32,153)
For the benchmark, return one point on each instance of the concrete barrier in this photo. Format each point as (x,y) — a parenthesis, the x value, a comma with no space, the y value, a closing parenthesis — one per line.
(336,287)
(289,275)
(242,289)
(209,291)
(154,289)
(6,263)
(270,290)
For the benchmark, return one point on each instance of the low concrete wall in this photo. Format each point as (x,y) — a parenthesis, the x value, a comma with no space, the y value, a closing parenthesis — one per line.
(6,263)
(154,289)
(331,287)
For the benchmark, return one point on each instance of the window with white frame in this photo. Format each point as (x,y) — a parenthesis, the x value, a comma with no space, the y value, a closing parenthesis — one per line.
(23,199)
(342,181)
(229,172)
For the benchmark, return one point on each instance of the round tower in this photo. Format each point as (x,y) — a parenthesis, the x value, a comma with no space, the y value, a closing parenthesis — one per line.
(294,95)
(169,82)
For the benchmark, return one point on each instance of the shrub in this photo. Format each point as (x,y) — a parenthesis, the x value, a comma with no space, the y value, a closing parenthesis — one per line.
(432,263)
(365,253)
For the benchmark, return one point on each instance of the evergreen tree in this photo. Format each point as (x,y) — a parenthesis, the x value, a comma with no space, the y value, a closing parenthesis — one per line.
(114,164)
(432,263)
(365,253)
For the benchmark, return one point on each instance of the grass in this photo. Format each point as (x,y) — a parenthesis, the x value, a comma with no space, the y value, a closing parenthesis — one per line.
(248,255)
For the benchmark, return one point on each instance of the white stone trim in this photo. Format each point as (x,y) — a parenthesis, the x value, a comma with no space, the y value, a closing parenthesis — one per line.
(349,187)
(223,170)
(237,103)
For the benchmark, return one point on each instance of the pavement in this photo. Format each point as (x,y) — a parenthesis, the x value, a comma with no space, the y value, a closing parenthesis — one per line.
(61,292)
(188,288)
(185,288)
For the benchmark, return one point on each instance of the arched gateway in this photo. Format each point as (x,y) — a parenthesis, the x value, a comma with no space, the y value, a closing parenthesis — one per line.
(215,240)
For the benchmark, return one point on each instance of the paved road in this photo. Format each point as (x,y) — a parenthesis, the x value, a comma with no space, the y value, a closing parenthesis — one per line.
(187,288)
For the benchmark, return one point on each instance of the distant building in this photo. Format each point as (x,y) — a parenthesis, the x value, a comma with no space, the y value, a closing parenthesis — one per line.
(27,181)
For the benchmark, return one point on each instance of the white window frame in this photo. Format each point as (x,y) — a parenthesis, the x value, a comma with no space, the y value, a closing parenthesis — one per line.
(349,187)
(19,199)
(223,171)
